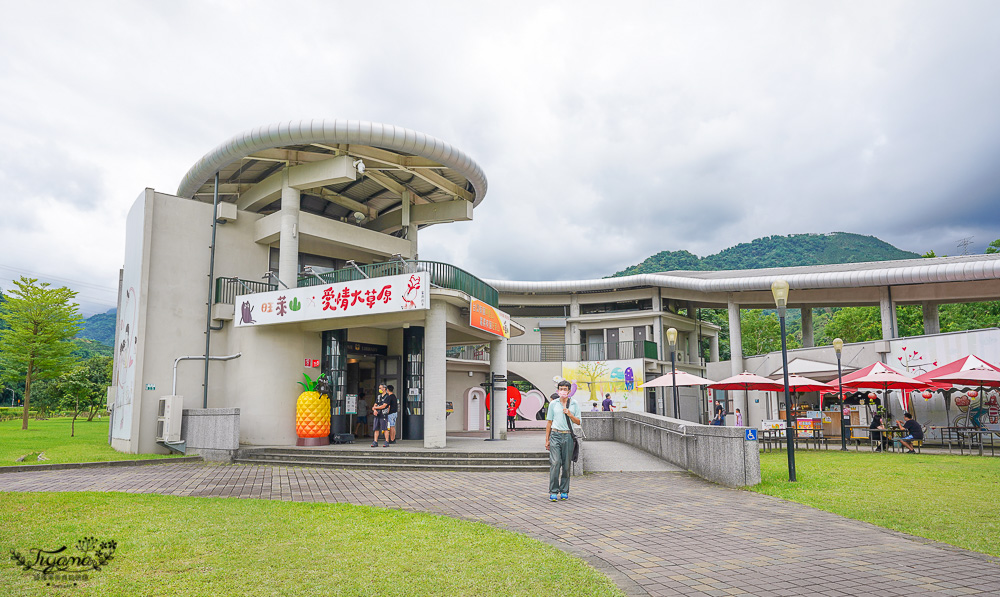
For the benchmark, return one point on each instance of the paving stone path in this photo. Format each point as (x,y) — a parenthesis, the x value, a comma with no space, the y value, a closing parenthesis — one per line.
(655,533)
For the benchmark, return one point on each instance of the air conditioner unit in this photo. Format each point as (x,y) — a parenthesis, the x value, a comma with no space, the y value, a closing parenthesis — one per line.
(168,418)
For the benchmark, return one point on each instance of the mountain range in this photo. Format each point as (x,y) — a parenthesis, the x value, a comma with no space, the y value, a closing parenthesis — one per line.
(776,251)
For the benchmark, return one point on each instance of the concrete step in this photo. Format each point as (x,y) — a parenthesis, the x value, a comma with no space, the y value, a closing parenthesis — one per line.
(397,466)
(394,450)
(396,458)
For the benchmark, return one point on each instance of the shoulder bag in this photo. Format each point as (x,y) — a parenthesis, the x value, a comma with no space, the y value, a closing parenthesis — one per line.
(576,443)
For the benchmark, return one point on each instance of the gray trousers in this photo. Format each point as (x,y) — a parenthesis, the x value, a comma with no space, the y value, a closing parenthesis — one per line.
(560,453)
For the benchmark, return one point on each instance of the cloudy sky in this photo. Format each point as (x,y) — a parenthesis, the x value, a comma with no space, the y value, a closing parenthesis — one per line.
(608,131)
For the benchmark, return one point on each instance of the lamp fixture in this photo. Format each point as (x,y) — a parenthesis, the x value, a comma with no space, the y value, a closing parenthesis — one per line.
(359,165)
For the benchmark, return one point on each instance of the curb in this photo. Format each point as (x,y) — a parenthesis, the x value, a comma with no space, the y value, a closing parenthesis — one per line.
(75,465)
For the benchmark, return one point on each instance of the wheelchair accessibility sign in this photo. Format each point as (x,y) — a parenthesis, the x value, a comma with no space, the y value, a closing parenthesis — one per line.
(751,435)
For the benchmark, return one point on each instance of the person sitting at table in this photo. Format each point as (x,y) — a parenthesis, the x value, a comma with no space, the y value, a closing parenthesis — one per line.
(913,432)
(878,438)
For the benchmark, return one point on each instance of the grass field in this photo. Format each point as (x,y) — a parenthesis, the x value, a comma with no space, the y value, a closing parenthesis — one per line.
(953,499)
(51,436)
(182,546)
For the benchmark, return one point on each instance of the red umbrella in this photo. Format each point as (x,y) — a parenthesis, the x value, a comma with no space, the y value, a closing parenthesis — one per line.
(962,364)
(798,383)
(885,378)
(748,381)
(981,377)
(972,377)
(683,379)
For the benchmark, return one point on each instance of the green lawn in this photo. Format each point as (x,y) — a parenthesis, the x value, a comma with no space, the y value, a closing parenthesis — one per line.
(222,546)
(90,444)
(953,499)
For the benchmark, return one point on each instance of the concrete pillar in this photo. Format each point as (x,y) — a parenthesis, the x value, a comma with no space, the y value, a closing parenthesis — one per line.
(713,347)
(435,374)
(574,331)
(736,350)
(288,240)
(410,227)
(661,352)
(932,318)
(887,311)
(692,338)
(807,326)
(498,366)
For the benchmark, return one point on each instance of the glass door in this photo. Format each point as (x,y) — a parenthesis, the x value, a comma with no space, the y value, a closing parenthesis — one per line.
(335,368)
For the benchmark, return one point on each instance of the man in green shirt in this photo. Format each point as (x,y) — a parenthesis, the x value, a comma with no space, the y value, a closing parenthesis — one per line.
(559,441)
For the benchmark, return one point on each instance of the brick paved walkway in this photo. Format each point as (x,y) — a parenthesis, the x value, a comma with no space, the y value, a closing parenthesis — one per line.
(656,533)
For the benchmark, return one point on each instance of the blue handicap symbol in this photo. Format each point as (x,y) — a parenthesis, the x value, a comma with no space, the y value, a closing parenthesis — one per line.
(751,435)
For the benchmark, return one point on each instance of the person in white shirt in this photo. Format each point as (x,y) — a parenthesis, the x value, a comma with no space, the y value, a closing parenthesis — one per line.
(559,440)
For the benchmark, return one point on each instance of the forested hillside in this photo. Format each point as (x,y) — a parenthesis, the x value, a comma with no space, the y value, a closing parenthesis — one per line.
(100,328)
(777,251)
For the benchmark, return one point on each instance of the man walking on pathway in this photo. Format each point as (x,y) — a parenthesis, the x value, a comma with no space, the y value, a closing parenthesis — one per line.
(559,440)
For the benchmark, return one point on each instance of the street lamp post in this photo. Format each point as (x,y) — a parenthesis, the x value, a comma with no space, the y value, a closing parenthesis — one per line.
(780,291)
(838,347)
(672,341)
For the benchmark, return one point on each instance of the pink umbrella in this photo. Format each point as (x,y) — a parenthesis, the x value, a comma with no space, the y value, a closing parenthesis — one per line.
(748,381)
(683,379)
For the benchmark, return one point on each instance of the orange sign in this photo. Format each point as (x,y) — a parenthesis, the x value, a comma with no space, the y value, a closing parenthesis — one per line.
(489,319)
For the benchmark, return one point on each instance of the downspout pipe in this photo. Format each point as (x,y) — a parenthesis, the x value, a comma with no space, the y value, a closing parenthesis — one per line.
(173,387)
(211,279)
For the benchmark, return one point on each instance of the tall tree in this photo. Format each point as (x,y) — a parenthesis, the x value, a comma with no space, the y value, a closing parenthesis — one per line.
(40,322)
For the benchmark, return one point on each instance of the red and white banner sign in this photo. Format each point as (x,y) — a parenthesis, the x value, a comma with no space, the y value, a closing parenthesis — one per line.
(489,319)
(389,294)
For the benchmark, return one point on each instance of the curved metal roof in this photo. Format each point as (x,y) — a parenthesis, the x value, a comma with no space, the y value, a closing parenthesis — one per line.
(394,157)
(965,268)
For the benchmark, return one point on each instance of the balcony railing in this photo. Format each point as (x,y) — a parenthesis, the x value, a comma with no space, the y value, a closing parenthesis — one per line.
(443,275)
(536,353)
(227,289)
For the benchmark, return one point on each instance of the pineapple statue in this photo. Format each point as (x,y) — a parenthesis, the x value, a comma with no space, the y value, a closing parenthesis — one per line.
(312,413)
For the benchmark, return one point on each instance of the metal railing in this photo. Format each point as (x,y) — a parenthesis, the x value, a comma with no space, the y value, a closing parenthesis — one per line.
(227,289)
(471,352)
(443,275)
(537,353)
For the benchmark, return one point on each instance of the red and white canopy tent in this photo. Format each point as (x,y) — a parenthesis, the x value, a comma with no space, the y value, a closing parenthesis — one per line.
(882,377)
(986,376)
(962,364)
(747,381)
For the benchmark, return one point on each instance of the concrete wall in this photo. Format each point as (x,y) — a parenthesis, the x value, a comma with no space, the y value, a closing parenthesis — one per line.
(457,384)
(212,433)
(718,454)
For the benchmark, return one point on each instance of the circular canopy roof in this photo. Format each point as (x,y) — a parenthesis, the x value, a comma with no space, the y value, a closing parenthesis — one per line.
(395,159)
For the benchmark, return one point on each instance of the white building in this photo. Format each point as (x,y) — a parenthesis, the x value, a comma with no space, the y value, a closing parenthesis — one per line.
(295,247)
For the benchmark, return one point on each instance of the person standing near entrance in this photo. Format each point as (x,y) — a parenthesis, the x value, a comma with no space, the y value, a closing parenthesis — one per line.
(381,414)
(361,426)
(393,411)
(608,405)
(558,440)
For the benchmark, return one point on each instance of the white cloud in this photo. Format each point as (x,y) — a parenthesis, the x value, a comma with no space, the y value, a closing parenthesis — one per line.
(607,133)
